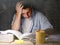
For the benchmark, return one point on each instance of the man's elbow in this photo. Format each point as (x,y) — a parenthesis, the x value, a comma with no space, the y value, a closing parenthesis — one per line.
(49,31)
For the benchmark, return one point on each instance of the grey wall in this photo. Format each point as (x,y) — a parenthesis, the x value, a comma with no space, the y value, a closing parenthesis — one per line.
(7,8)
(51,9)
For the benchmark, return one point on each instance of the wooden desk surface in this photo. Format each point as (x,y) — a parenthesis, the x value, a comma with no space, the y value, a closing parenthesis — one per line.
(30,43)
(25,43)
(50,43)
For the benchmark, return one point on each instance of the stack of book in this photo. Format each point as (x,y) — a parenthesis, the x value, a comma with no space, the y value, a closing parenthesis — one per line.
(5,38)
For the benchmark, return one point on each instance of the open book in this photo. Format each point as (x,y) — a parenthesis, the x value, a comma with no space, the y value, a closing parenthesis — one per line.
(18,34)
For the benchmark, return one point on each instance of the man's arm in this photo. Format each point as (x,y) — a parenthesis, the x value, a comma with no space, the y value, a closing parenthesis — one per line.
(17,20)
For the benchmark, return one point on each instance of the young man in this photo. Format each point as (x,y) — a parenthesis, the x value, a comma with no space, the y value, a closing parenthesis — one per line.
(28,20)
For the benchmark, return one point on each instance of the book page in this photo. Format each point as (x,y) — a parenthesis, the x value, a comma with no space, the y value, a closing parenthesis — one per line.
(14,32)
(18,34)
(25,35)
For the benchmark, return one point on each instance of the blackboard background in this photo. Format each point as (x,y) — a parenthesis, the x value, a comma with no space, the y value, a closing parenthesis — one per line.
(51,9)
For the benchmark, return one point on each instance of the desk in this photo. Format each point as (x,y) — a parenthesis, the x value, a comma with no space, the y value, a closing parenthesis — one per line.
(25,43)
(50,43)
(30,43)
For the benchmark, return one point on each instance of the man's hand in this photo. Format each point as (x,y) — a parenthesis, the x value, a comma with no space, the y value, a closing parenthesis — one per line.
(16,22)
(19,8)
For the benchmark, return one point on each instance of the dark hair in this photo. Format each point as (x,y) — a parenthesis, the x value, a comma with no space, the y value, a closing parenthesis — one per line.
(26,5)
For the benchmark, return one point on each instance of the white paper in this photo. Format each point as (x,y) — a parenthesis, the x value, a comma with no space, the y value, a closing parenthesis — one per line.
(54,37)
(18,34)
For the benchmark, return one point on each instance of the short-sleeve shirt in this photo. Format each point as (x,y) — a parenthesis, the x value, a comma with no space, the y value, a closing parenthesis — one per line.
(37,22)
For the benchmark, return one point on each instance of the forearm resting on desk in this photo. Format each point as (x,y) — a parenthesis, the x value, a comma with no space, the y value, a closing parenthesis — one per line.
(16,23)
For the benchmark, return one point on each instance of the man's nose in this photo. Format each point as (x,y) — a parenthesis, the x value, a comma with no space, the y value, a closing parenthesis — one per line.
(26,13)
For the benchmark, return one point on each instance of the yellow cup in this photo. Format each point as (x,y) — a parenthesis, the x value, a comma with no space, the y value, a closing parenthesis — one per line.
(40,36)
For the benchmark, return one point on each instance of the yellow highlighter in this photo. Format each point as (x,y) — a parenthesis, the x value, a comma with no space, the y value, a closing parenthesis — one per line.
(19,41)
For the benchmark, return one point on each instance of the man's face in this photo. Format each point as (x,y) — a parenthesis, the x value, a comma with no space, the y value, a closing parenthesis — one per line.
(26,13)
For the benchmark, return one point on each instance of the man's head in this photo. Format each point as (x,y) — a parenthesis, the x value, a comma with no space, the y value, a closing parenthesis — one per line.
(27,10)
(26,13)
